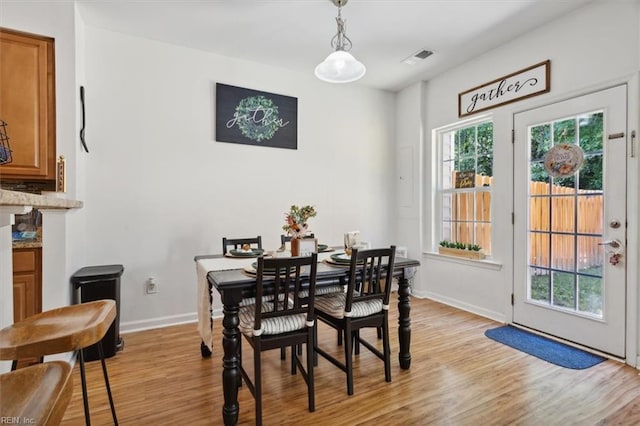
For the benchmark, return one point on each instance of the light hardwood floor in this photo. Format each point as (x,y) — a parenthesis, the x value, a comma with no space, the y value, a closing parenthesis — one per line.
(457,377)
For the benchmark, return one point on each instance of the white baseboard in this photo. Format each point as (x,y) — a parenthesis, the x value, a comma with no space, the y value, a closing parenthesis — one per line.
(496,316)
(160,322)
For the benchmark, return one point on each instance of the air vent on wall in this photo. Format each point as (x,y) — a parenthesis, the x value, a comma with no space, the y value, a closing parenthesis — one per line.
(417,57)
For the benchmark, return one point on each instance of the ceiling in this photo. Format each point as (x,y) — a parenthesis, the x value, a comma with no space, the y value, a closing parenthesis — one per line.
(295,34)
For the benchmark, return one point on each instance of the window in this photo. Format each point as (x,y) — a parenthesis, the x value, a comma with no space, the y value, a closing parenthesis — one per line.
(465,178)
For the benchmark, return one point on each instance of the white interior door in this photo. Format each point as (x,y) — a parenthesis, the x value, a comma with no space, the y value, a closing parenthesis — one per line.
(570,224)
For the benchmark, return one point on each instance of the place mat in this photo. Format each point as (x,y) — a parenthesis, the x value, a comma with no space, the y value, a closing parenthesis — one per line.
(255,252)
(324,248)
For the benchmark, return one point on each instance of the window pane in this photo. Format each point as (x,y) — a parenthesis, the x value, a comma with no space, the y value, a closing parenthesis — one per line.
(463,203)
(465,233)
(590,255)
(539,246)
(447,231)
(537,173)
(591,173)
(540,285)
(562,252)
(590,295)
(564,293)
(447,206)
(563,214)
(590,214)
(447,175)
(485,139)
(483,206)
(448,146)
(564,131)
(467,142)
(466,165)
(485,166)
(591,132)
(539,213)
(540,141)
(483,236)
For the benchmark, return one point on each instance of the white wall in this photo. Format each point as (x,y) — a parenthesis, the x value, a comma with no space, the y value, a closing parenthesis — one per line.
(161,190)
(588,49)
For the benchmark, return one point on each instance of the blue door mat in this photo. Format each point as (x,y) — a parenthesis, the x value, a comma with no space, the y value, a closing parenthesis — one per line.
(546,349)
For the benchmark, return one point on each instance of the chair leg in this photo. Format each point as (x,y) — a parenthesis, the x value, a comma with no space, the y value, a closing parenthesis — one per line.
(294,366)
(106,382)
(283,353)
(356,342)
(339,338)
(257,382)
(85,397)
(386,351)
(315,343)
(310,360)
(348,357)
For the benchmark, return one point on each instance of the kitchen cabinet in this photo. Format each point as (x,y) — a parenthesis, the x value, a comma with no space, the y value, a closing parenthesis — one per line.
(27,282)
(27,105)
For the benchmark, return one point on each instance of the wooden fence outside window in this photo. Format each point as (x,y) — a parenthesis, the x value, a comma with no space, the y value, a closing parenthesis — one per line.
(467,217)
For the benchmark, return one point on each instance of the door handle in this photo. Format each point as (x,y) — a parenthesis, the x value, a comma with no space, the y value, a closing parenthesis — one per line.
(611,243)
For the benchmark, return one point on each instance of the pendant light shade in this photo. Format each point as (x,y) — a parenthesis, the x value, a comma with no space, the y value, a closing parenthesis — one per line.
(340,66)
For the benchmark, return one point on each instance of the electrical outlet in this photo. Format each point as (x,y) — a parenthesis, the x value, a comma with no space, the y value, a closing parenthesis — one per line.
(152,286)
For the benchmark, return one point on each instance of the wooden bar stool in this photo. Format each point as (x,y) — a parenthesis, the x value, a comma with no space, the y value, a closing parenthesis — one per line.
(37,395)
(65,329)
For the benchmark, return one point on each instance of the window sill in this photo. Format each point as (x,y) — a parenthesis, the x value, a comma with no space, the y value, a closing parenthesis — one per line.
(484,263)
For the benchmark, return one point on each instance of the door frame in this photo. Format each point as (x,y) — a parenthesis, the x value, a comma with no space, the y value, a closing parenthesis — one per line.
(632,356)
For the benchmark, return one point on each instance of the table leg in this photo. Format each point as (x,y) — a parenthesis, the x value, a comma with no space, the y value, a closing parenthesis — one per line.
(231,362)
(404,322)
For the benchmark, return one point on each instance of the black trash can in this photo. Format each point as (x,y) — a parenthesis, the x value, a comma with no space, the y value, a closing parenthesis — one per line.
(98,283)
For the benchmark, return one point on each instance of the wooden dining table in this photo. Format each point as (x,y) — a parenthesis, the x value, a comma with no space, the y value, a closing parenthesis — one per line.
(235,283)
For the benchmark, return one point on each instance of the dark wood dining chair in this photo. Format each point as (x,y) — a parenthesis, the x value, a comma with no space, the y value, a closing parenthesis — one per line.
(255,242)
(279,319)
(364,305)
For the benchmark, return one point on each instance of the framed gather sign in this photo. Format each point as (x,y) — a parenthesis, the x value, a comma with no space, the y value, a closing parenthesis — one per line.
(532,81)
(252,117)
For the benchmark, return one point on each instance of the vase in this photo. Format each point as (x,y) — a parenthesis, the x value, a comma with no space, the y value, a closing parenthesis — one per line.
(295,247)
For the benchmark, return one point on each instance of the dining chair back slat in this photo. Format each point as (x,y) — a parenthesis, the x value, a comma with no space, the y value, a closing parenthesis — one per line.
(237,243)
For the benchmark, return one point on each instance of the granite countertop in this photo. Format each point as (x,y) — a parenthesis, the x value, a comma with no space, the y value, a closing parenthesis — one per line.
(26,244)
(14,198)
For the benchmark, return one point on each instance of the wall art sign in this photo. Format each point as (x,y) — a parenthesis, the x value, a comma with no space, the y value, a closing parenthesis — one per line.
(252,117)
(532,81)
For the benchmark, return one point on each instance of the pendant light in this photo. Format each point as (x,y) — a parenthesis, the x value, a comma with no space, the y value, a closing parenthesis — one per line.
(340,66)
